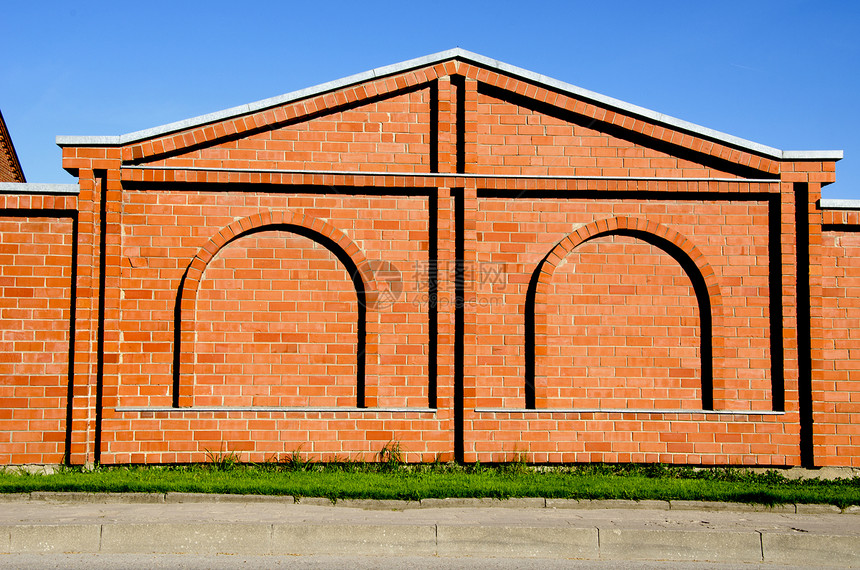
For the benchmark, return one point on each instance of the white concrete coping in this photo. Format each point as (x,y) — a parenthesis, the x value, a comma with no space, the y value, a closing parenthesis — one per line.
(831,204)
(35,188)
(433,59)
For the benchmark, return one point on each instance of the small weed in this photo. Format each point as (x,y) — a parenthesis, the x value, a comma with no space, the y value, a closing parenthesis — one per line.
(391,455)
(474,468)
(295,462)
(519,466)
(222,460)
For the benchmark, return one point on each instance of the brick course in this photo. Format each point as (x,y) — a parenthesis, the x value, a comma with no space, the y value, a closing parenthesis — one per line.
(466,260)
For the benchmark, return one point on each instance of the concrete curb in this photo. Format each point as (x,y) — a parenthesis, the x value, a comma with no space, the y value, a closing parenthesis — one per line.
(386,505)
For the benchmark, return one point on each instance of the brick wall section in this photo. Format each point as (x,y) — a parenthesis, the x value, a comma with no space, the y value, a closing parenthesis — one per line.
(160,230)
(732,236)
(516,139)
(510,248)
(836,379)
(158,227)
(8,166)
(258,318)
(386,136)
(36,236)
(262,270)
(622,330)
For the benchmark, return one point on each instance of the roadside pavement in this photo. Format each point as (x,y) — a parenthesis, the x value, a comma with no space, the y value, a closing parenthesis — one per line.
(797,535)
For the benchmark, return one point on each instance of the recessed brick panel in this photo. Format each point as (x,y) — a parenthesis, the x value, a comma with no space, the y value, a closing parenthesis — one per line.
(280,312)
(836,341)
(513,236)
(622,330)
(35,281)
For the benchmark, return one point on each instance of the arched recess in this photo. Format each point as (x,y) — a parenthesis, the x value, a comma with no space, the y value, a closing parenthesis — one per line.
(681,249)
(344,249)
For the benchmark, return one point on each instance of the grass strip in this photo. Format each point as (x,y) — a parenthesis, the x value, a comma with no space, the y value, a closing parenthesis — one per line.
(345,480)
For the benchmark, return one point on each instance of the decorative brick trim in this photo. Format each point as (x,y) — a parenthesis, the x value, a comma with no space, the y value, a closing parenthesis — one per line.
(163,175)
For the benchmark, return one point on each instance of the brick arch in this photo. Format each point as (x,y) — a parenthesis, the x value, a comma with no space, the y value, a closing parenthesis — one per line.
(688,256)
(346,251)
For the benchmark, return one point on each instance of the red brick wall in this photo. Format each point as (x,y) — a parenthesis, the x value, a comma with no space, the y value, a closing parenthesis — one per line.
(288,280)
(517,139)
(279,311)
(10,168)
(836,377)
(622,330)
(634,285)
(274,321)
(392,135)
(737,253)
(35,281)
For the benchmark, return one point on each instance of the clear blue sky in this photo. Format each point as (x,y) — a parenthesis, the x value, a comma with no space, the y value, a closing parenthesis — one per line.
(782,73)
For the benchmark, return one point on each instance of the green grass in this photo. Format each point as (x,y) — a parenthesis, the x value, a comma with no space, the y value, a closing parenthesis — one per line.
(391,479)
